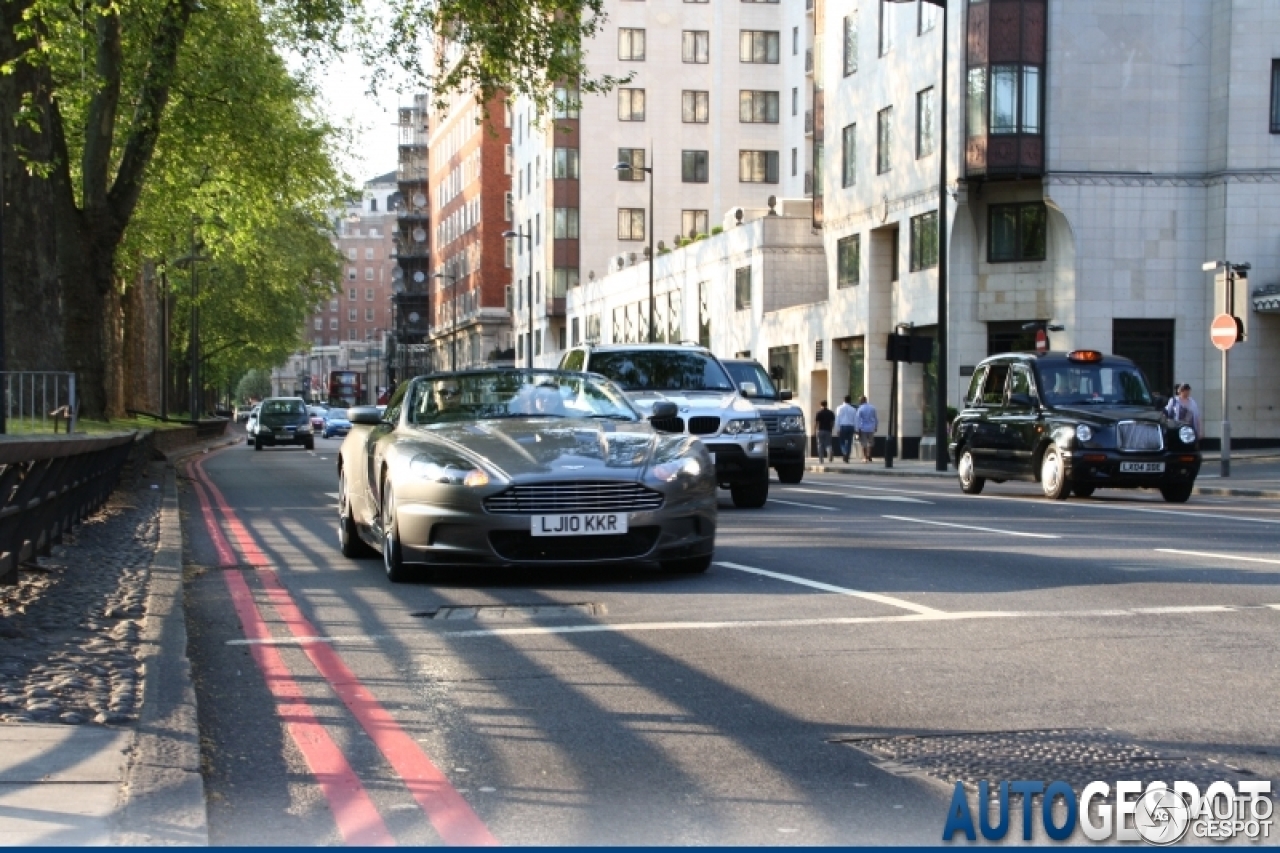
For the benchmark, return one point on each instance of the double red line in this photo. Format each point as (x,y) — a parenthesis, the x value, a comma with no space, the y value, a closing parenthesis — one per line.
(357,818)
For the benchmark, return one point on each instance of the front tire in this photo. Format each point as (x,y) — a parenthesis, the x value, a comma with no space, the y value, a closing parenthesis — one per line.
(349,540)
(1053,474)
(790,474)
(1083,491)
(392,556)
(688,565)
(750,496)
(257,443)
(309,444)
(970,483)
(1177,494)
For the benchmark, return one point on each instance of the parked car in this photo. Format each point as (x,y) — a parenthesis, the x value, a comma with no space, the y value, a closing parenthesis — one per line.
(283,420)
(1074,422)
(522,468)
(707,403)
(335,423)
(251,423)
(243,412)
(782,418)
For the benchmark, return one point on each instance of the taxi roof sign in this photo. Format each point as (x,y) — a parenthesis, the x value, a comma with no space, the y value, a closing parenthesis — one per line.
(1084,355)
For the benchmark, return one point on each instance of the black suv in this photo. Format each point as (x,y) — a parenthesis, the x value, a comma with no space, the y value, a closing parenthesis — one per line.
(783,419)
(1075,422)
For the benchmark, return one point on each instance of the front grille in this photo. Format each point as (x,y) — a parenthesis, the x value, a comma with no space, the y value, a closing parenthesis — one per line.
(667,424)
(704,425)
(771,423)
(1133,435)
(726,450)
(548,498)
(522,546)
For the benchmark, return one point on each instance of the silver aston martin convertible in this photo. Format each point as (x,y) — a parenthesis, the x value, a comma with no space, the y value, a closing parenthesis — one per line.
(521,468)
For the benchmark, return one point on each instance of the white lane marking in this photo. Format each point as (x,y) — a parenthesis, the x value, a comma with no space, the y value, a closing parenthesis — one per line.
(1219,556)
(892,498)
(333,495)
(826,587)
(638,627)
(806,506)
(973,527)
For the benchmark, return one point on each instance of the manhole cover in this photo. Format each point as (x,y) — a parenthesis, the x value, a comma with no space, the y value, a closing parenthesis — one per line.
(496,612)
(1076,756)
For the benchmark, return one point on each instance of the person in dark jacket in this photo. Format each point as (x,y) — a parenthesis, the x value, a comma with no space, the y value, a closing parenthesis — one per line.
(825,420)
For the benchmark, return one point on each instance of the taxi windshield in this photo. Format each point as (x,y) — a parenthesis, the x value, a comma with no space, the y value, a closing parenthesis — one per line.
(1093,385)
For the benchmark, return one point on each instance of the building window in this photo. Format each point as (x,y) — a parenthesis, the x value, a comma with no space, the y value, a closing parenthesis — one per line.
(352,254)
(333,305)
(758,167)
(695,107)
(630,45)
(630,223)
(928,17)
(368,315)
(631,105)
(368,254)
(886,26)
(795,101)
(634,156)
(925,139)
(693,223)
(568,102)
(368,273)
(884,140)
(333,324)
(352,294)
(368,294)
(353,335)
(850,43)
(563,278)
(1275,96)
(351,273)
(848,155)
(795,156)
(1015,98)
(848,260)
(924,241)
(693,167)
(507,203)
(695,46)
(758,46)
(319,324)
(795,41)
(566,223)
(1017,232)
(742,288)
(564,163)
(757,107)
(1150,344)
(351,315)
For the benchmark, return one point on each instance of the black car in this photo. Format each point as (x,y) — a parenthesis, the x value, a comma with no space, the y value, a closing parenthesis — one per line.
(1074,422)
(283,420)
(783,418)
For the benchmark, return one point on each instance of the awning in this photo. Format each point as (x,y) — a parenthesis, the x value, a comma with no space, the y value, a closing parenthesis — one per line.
(1266,299)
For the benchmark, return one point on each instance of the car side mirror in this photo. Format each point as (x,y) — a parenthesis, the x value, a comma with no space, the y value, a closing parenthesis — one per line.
(664,410)
(748,389)
(785,395)
(1022,401)
(364,416)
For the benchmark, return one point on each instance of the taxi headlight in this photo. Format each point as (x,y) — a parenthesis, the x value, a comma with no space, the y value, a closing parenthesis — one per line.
(744,425)
(1187,434)
(668,472)
(1083,432)
(450,474)
(792,423)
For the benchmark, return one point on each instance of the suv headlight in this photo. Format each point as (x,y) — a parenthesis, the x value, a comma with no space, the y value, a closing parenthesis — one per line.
(1187,434)
(428,469)
(1083,432)
(791,423)
(744,425)
(667,472)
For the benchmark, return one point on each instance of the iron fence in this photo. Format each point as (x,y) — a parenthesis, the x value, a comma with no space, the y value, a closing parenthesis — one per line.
(39,401)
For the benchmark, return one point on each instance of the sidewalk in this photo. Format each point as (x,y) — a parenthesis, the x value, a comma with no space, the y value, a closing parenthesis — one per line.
(120,646)
(1254,473)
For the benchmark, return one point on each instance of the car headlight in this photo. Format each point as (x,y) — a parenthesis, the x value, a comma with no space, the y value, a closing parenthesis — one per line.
(668,472)
(1083,432)
(454,475)
(791,423)
(1187,434)
(744,425)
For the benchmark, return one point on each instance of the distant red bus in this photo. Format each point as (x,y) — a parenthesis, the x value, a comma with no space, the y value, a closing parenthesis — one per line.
(346,388)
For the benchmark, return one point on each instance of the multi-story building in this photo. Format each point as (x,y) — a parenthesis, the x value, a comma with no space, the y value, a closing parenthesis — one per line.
(409,352)
(470,323)
(715,113)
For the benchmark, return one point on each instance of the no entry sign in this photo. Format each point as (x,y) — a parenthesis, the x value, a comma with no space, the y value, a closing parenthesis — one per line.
(1224,331)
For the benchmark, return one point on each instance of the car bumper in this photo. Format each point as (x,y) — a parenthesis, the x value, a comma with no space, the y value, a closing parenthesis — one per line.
(736,466)
(1102,469)
(787,449)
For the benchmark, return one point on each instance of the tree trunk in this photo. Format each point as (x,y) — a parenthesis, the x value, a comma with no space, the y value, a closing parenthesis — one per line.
(143,347)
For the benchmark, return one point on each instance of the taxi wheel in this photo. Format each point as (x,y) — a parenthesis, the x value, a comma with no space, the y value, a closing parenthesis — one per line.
(392,556)
(1053,477)
(970,483)
(1176,494)
(1082,491)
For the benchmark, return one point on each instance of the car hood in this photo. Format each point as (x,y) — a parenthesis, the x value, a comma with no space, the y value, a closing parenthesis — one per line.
(710,402)
(532,448)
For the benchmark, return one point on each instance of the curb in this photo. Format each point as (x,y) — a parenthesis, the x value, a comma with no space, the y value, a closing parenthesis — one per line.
(172,457)
(162,798)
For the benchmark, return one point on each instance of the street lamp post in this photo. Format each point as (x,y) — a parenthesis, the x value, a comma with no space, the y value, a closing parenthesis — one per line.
(453,337)
(529,301)
(940,392)
(653,259)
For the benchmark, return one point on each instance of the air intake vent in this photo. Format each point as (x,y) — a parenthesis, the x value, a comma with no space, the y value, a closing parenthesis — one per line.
(573,497)
(1133,435)
(704,425)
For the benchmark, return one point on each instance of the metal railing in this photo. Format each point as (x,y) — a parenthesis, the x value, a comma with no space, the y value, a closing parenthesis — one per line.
(39,401)
(48,485)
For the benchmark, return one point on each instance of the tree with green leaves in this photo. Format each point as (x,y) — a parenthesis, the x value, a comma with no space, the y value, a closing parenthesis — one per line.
(254,385)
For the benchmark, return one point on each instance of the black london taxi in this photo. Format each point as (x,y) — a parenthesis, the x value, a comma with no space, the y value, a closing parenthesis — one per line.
(1072,421)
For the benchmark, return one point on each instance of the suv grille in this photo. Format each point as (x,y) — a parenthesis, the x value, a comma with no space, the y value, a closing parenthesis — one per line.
(1133,435)
(573,497)
(771,423)
(667,424)
(704,425)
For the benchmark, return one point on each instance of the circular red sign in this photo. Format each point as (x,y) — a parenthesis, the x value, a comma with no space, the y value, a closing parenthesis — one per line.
(1223,331)
(1042,341)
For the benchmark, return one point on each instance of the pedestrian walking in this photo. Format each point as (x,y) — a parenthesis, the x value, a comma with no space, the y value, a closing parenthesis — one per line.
(866,423)
(825,419)
(1183,408)
(846,418)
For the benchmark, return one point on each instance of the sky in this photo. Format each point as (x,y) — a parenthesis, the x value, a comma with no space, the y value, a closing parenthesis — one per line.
(372,119)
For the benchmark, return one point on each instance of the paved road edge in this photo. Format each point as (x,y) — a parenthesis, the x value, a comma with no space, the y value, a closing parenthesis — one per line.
(162,796)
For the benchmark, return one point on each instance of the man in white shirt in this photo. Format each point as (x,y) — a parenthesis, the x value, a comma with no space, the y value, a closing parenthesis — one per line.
(846,420)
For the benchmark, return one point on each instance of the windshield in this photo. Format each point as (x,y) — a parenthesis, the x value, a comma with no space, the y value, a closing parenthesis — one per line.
(517,394)
(284,407)
(752,380)
(661,370)
(1093,384)
(337,414)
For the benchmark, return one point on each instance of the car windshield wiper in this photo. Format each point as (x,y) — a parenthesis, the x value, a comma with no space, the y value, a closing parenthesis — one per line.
(613,417)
